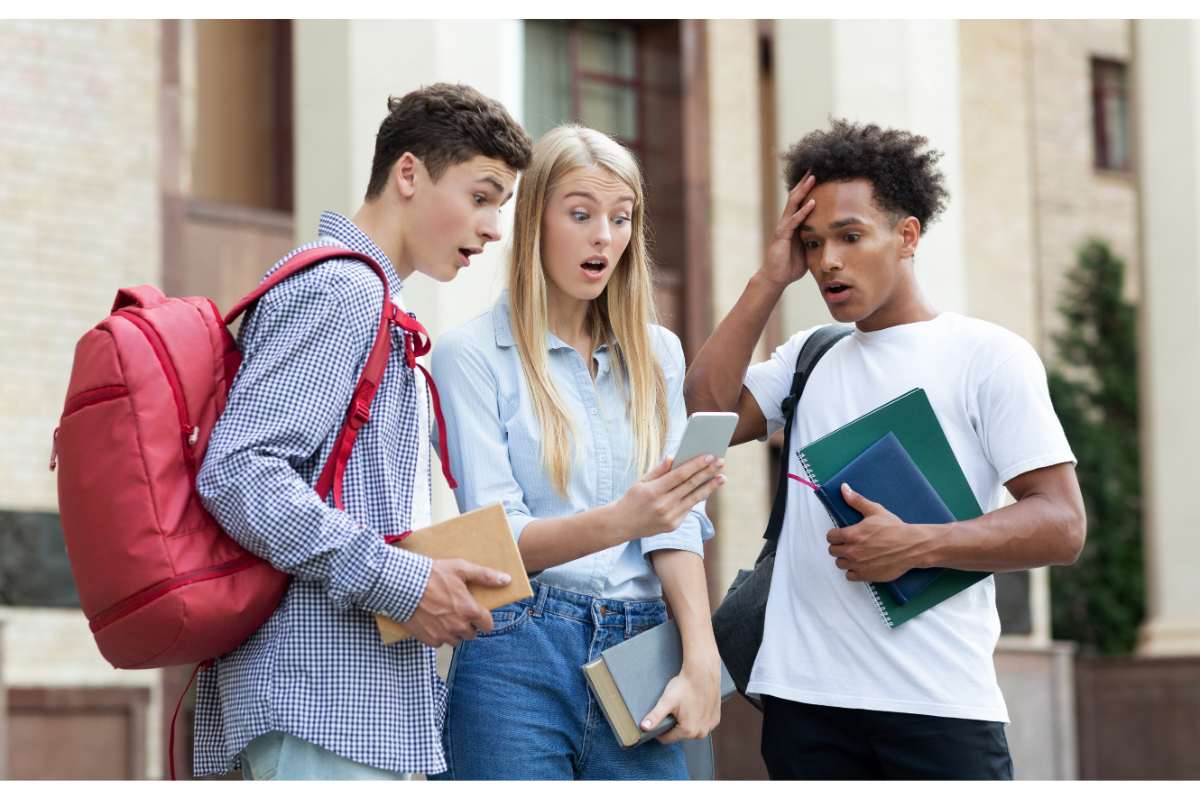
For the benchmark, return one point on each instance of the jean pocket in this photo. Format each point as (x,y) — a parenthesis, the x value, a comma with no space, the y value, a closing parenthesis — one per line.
(645,623)
(505,621)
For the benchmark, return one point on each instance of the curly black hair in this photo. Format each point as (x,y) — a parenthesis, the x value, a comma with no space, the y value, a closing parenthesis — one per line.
(900,166)
(446,124)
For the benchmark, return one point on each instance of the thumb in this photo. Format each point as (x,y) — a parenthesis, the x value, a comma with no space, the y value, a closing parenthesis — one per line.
(859,503)
(484,576)
(665,705)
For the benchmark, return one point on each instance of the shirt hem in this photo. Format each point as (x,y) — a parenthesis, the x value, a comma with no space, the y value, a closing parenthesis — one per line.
(984,713)
(1037,462)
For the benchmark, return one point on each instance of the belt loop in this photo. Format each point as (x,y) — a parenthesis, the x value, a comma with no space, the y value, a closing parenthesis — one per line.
(539,603)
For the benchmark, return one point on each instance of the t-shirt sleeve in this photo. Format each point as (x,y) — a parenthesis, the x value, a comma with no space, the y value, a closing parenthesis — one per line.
(770,381)
(1018,426)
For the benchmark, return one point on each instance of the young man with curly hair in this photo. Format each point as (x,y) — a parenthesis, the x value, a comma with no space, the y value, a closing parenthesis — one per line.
(314,693)
(844,695)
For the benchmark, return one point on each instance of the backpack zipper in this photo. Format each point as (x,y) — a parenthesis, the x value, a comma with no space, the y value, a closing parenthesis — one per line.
(189,434)
(79,402)
(150,594)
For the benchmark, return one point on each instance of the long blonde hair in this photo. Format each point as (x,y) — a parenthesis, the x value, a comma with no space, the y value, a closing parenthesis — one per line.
(620,316)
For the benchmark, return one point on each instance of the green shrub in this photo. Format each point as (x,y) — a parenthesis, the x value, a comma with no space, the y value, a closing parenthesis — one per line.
(1099,602)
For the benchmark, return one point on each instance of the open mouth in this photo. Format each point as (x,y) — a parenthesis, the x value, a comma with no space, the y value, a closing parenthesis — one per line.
(835,289)
(464,256)
(594,267)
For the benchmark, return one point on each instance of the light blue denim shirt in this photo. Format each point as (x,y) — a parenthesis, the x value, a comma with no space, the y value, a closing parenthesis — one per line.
(495,445)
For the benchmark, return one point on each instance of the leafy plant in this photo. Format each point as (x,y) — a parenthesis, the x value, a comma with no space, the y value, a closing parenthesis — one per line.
(1099,602)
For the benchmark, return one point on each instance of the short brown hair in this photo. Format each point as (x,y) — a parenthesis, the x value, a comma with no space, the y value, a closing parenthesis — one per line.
(446,124)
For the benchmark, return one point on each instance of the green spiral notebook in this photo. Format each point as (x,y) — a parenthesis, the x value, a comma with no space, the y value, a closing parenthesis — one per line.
(911,418)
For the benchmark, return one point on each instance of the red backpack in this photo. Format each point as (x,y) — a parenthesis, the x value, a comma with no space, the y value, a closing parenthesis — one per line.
(159,581)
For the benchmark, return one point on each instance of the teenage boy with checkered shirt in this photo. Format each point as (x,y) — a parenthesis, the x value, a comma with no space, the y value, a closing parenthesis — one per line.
(314,693)
(845,696)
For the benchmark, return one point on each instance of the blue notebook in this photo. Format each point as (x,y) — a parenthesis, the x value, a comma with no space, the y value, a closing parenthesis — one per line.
(886,474)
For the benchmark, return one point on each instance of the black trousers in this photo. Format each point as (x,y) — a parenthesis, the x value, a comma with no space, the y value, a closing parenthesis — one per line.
(809,742)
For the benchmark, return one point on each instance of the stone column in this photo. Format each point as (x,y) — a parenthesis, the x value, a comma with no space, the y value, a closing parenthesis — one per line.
(739,511)
(911,81)
(344,72)
(1167,88)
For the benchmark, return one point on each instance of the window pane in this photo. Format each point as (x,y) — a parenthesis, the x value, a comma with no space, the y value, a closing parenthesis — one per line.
(1115,132)
(612,109)
(607,49)
(1111,114)
(547,76)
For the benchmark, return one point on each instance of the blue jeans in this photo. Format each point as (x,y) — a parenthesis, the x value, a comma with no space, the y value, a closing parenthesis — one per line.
(520,708)
(278,756)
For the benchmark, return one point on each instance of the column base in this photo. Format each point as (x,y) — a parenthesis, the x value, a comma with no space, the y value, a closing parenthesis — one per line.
(1169,637)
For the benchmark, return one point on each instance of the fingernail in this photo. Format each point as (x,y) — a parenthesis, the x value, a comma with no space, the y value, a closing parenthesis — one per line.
(708,459)
(646,724)
(504,577)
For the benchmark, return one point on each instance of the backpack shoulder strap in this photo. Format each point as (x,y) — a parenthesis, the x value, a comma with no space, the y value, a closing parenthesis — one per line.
(817,345)
(359,412)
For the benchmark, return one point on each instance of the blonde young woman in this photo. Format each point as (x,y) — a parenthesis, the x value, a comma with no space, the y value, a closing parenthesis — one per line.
(561,403)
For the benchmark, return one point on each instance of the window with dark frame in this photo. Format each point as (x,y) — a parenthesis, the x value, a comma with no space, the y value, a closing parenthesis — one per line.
(587,72)
(622,78)
(1110,115)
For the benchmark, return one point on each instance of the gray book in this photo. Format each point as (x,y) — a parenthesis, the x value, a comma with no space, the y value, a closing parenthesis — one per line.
(629,678)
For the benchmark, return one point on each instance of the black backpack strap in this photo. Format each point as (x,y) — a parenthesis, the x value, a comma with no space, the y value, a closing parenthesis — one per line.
(817,345)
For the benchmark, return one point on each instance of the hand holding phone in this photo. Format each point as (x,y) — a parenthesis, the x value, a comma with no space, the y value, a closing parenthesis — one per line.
(707,434)
(663,497)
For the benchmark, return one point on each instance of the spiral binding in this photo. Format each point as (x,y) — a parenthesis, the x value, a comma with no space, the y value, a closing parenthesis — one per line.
(879,606)
(808,471)
(883,612)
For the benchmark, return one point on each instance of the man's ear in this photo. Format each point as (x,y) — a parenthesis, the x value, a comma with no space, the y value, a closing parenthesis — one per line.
(910,236)
(405,174)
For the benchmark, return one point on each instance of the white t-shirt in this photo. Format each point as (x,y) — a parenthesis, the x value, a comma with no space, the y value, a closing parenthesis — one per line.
(824,642)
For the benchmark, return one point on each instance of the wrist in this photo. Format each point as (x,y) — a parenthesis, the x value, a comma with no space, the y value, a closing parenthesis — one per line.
(612,522)
(701,656)
(934,539)
(763,283)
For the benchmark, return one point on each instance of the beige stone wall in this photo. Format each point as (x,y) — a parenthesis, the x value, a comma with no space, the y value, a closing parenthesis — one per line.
(79,215)
(1072,200)
(42,647)
(740,510)
(998,174)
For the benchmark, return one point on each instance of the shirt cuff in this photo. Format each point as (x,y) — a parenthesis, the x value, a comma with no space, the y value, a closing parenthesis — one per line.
(517,522)
(400,584)
(688,536)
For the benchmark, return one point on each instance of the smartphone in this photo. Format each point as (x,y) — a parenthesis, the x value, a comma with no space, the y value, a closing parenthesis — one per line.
(707,433)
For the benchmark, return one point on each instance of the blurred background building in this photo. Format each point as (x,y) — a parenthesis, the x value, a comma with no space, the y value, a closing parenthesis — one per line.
(190,155)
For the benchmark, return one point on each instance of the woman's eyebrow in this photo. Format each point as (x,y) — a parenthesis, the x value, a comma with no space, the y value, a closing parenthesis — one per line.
(625,198)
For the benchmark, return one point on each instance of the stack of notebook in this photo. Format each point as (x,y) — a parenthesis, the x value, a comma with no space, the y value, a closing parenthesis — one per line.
(898,456)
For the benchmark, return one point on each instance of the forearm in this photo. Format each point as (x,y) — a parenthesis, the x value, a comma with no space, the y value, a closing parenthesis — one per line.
(686,593)
(1032,532)
(551,541)
(710,384)
(267,507)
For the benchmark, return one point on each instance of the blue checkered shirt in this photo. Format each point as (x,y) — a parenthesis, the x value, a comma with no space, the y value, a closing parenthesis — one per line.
(317,669)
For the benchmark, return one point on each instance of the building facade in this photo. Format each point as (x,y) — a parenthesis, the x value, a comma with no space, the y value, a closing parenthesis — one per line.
(189,155)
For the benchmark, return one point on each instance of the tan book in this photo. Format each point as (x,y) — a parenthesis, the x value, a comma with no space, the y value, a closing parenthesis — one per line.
(481,537)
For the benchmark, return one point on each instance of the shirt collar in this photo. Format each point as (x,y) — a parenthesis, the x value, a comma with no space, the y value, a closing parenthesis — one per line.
(335,226)
(502,326)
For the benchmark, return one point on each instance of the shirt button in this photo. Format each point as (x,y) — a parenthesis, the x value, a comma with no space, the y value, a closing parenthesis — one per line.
(595,412)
